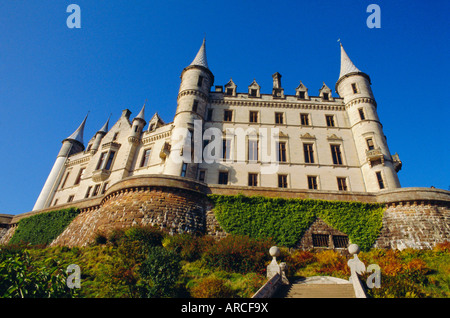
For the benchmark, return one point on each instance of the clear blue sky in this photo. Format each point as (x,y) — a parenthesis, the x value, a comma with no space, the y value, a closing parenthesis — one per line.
(129,51)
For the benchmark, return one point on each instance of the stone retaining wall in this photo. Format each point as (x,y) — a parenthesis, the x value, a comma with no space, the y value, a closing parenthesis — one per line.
(415,217)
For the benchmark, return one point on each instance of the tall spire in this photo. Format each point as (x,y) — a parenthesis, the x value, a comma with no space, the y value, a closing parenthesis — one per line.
(78,134)
(347,65)
(200,58)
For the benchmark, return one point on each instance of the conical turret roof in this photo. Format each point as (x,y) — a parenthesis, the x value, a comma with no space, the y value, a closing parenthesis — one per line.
(347,65)
(104,128)
(141,114)
(200,58)
(78,134)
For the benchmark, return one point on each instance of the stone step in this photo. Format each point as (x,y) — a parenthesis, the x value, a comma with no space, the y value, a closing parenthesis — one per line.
(320,291)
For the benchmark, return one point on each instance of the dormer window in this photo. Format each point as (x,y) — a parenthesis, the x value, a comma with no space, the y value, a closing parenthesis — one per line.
(301,95)
(229,92)
(254,89)
(253,92)
(325,96)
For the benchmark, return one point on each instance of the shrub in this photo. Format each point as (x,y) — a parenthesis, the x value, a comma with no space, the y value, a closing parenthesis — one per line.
(159,272)
(332,263)
(240,254)
(43,228)
(212,287)
(189,247)
(299,259)
(147,235)
(19,278)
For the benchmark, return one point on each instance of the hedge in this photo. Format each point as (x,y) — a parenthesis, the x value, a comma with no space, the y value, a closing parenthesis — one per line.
(286,220)
(43,228)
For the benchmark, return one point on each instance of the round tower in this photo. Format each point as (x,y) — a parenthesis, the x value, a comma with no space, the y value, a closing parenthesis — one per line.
(71,145)
(196,82)
(377,164)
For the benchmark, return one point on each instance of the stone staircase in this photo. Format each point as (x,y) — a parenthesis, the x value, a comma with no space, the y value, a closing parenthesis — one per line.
(317,287)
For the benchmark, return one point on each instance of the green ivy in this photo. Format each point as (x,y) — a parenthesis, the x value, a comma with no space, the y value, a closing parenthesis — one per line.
(43,228)
(286,220)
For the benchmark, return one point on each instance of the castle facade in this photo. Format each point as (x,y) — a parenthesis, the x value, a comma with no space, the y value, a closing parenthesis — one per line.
(226,137)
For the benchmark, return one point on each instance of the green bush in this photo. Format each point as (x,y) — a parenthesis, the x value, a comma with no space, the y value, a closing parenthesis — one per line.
(159,273)
(286,220)
(189,247)
(20,278)
(147,235)
(43,228)
(212,287)
(240,254)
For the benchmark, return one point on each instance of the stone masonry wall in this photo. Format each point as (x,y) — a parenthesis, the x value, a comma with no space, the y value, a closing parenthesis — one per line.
(416,225)
(172,209)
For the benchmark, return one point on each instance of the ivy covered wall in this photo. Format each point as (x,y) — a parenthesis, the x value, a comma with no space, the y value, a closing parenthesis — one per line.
(43,228)
(286,220)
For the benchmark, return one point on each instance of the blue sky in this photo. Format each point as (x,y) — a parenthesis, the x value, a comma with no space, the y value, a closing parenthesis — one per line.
(130,51)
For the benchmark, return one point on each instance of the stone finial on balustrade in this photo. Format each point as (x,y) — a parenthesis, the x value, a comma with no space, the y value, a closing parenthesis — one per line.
(274,268)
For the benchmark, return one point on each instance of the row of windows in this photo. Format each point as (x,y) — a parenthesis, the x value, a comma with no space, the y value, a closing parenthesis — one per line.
(89,192)
(283,180)
(253,92)
(279,118)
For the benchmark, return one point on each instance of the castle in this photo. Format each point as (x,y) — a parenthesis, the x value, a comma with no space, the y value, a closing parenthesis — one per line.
(225,141)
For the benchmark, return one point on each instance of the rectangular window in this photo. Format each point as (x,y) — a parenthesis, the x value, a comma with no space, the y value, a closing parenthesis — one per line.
(183,169)
(380,180)
(96,188)
(281,151)
(325,96)
(115,136)
(65,179)
(70,199)
(304,119)
(301,95)
(320,240)
(253,117)
(278,118)
(88,192)
(330,120)
(253,179)
(312,182)
(101,160)
(209,115)
(195,106)
(361,113)
(336,154)
(146,157)
(229,91)
(354,88)
(202,175)
(223,177)
(309,153)
(226,149)
(105,187)
(110,160)
(253,92)
(340,241)
(253,150)
(342,184)
(80,175)
(370,145)
(282,181)
(200,81)
(228,115)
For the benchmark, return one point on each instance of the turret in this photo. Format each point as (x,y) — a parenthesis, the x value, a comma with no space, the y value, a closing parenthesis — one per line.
(196,82)
(377,164)
(71,145)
